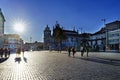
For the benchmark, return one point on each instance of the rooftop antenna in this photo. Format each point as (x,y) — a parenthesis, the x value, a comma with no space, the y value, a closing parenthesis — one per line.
(81,29)
(104,21)
(74,28)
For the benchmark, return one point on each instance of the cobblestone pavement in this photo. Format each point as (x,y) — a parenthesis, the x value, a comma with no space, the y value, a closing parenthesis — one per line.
(45,65)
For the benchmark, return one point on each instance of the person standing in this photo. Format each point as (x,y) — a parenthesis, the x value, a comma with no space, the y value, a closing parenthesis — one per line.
(1,52)
(87,48)
(69,51)
(23,52)
(18,52)
(82,50)
(74,51)
(8,52)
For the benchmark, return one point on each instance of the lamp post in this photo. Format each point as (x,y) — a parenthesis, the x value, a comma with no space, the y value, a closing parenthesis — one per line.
(31,43)
(104,21)
(106,33)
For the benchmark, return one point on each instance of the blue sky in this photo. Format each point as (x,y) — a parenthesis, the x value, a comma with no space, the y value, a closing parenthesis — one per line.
(36,14)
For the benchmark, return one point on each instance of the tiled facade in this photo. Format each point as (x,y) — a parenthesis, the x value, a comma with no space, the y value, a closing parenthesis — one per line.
(114,40)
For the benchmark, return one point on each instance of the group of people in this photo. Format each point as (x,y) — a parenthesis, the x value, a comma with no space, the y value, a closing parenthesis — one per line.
(4,52)
(71,49)
(82,49)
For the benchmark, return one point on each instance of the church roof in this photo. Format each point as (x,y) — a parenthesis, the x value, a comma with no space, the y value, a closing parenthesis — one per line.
(71,33)
(115,22)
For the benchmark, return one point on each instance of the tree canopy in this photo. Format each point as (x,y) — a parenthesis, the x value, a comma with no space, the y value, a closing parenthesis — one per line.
(58,34)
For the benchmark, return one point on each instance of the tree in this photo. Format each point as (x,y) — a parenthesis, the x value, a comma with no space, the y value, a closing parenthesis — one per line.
(59,35)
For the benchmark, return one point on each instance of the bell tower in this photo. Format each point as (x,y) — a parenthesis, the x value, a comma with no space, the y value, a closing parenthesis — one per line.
(47,38)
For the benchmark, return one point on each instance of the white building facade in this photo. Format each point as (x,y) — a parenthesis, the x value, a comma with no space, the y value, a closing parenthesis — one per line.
(113,40)
(2,20)
(12,41)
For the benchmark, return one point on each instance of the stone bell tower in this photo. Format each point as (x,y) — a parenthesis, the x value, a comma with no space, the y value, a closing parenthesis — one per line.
(47,38)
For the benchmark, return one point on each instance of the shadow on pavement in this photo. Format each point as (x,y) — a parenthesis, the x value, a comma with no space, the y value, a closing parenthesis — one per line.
(25,59)
(101,60)
(18,59)
(3,59)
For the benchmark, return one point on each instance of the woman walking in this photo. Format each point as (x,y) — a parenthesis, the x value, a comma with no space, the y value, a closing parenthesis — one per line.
(74,51)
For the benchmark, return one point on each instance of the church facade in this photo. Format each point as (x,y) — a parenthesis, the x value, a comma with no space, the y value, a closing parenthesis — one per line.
(71,41)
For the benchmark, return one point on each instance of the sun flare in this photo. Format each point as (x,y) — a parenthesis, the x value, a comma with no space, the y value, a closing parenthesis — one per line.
(19,27)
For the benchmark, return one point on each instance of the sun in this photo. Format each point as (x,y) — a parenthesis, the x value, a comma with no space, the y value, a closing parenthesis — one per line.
(19,27)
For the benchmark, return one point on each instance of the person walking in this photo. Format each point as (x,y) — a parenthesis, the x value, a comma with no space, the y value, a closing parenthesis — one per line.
(6,52)
(74,51)
(82,50)
(69,51)
(18,52)
(23,52)
(87,48)
(1,52)
(9,52)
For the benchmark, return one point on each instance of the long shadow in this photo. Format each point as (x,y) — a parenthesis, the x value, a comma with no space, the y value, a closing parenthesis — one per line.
(25,59)
(18,59)
(3,59)
(101,60)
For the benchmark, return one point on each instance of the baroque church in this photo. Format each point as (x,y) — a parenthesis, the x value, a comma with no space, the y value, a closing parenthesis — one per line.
(71,41)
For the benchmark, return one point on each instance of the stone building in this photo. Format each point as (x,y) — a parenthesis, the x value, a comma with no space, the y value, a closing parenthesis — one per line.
(72,39)
(12,41)
(34,46)
(47,38)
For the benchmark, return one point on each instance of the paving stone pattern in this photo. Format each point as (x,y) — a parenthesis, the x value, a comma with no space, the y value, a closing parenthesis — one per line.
(45,65)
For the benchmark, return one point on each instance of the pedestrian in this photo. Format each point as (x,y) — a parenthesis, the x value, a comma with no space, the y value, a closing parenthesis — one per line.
(6,52)
(87,50)
(82,50)
(18,52)
(1,52)
(23,52)
(69,51)
(9,52)
(74,51)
